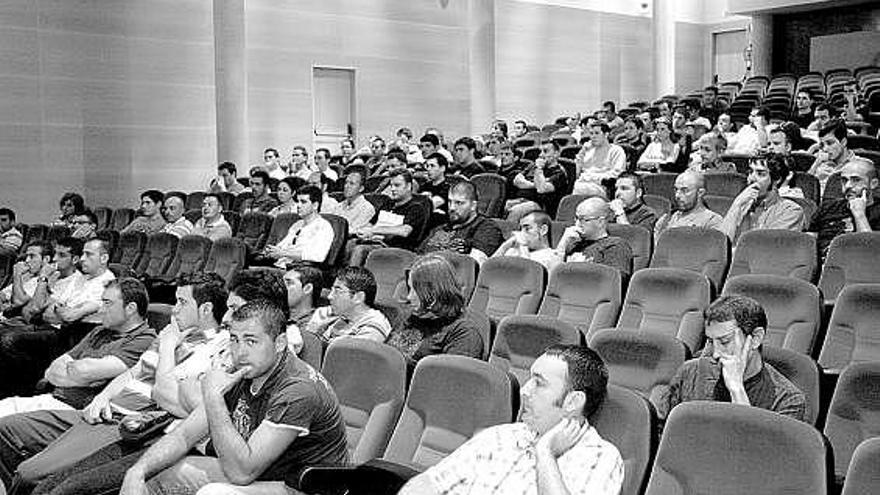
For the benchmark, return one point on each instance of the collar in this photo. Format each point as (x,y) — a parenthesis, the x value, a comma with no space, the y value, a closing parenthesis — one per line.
(129,330)
(217,220)
(276,370)
(770,199)
(459,226)
(638,204)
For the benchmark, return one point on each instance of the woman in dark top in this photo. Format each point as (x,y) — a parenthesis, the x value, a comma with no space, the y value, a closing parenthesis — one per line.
(439,322)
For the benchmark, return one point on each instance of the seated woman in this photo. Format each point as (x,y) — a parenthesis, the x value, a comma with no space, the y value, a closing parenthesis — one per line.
(71,205)
(439,322)
(286,189)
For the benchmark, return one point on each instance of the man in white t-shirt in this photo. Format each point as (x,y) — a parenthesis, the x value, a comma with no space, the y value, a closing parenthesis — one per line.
(24,277)
(309,238)
(351,312)
(531,241)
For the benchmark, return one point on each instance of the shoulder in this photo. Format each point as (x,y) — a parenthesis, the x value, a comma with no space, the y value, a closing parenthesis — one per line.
(783,385)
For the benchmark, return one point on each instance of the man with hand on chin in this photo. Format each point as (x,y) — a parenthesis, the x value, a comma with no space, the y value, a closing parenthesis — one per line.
(732,368)
(552,449)
(588,239)
(267,420)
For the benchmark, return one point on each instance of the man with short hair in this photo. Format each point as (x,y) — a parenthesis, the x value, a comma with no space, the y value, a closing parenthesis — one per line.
(10,237)
(710,106)
(520,129)
(262,201)
(226,180)
(710,147)
(268,418)
(833,152)
(802,114)
(779,142)
(601,161)
(856,211)
(531,241)
(628,207)
(150,220)
(753,137)
(429,144)
(252,285)
(299,162)
(376,158)
(354,207)
(398,227)
(588,239)
(466,163)
(437,186)
(509,165)
(59,275)
(328,203)
(351,312)
(19,292)
(690,210)
(85,225)
(467,231)
(608,114)
(309,238)
(178,225)
(272,163)
(823,113)
(304,285)
(552,449)
(322,164)
(212,224)
(732,368)
(540,186)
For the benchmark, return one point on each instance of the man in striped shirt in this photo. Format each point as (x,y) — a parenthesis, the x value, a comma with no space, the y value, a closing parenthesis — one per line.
(177,225)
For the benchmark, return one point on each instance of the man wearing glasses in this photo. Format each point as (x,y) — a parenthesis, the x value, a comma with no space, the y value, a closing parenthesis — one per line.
(351,312)
(588,239)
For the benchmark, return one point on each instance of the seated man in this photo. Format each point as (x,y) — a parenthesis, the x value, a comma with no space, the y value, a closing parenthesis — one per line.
(823,113)
(212,224)
(531,241)
(552,449)
(437,185)
(690,210)
(467,232)
(322,165)
(328,203)
(355,208)
(253,285)
(833,152)
(226,180)
(272,164)
(627,207)
(856,211)
(588,239)
(299,162)
(802,114)
(175,207)
(186,348)
(759,205)
(466,163)
(351,312)
(25,273)
(262,201)
(731,368)
(304,285)
(150,220)
(257,439)
(85,225)
(105,352)
(602,160)
(539,187)
(752,137)
(10,238)
(309,238)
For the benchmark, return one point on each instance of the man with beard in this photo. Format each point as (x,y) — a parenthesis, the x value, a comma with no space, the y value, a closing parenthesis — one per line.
(856,211)
(588,239)
(467,232)
(833,151)
(690,211)
(627,207)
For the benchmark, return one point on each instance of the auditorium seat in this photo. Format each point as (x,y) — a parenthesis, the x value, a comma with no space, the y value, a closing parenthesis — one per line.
(466,271)
(57,232)
(793,308)
(718,204)
(556,231)
(660,204)
(726,449)
(158,253)
(508,286)
(233,218)
(801,370)
(520,340)
(111,240)
(194,200)
(776,252)
(669,301)
(833,188)
(239,202)
(640,240)
(379,201)
(627,420)
(565,212)
(227,200)
(193,215)
(863,474)
(853,413)
(131,248)
(103,214)
(727,184)
(121,218)
(340,235)
(660,184)
(312,351)
(192,254)
(226,258)
(280,225)
(586,295)
(491,194)
(35,232)
(644,362)
(389,266)
(808,184)
(698,249)
(851,259)
(7,260)
(450,399)
(852,335)
(253,230)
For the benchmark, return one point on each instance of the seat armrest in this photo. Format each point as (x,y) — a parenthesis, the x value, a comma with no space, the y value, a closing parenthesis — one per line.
(375,477)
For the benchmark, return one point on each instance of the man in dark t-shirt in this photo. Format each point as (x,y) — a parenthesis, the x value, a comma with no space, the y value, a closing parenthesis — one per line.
(588,239)
(467,232)
(267,420)
(539,186)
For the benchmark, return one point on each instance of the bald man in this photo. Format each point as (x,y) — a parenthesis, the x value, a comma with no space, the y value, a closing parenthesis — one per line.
(690,210)
(588,239)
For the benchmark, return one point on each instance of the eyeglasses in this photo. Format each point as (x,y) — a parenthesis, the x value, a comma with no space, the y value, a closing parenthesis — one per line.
(337,289)
(583,219)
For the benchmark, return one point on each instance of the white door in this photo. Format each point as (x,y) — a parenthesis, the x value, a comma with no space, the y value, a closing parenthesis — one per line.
(334,104)
(727,61)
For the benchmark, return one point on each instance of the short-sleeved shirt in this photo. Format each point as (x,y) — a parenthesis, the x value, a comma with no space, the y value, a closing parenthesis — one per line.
(703,217)
(479,233)
(440,190)
(640,214)
(102,342)
(415,215)
(297,397)
(179,228)
(312,240)
(700,379)
(147,225)
(610,251)
(554,174)
(834,218)
(502,460)
(263,204)
(357,213)
(216,230)
(372,325)
(85,290)
(421,337)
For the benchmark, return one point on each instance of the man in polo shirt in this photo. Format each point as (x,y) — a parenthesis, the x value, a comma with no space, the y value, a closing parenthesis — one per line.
(690,210)
(627,207)
(531,241)
(309,238)
(212,224)
(355,208)
(178,225)
(150,220)
(588,239)
(759,205)
(267,420)
(467,232)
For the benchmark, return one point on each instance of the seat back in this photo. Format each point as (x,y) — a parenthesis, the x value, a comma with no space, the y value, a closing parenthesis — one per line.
(253,230)
(640,240)
(161,249)
(776,252)
(103,214)
(727,184)
(233,218)
(111,240)
(852,335)
(121,218)
(668,301)
(718,204)
(854,413)
(808,184)
(725,449)
(7,260)
(340,235)
(851,259)
(627,420)
(491,194)
(660,204)
(280,225)
(312,350)
(702,250)
(507,286)
(466,271)
(801,370)
(35,232)
(192,253)
(226,258)
(520,340)
(792,306)
(586,295)
(369,379)
(863,475)
(660,184)
(450,399)
(565,212)
(240,200)
(194,200)
(227,200)
(131,248)
(57,232)
(389,266)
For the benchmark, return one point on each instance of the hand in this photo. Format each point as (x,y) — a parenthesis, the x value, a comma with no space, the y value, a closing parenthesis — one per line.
(134,483)
(539,163)
(272,251)
(616,206)
(98,410)
(733,367)
(366,232)
(19,269)
(170,335)
(747,197)
(562,437)
(48,270)
(858,204)
(219,381)
(519,238)
(571,233)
